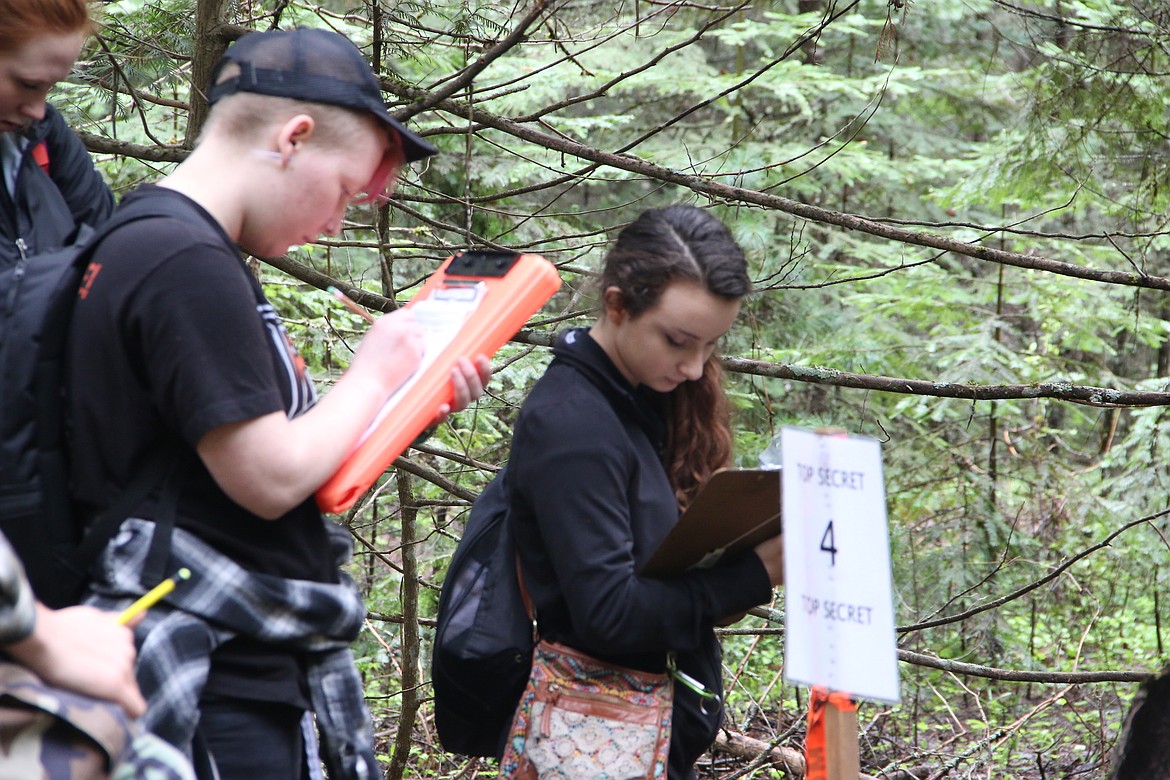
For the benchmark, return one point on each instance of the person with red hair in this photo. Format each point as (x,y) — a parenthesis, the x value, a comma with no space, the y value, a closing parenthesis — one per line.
(50,184)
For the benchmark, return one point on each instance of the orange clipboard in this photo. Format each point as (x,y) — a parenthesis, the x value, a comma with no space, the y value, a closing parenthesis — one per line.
(472,305)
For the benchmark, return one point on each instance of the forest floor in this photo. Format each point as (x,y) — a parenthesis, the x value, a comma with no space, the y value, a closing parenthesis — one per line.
(1049,732)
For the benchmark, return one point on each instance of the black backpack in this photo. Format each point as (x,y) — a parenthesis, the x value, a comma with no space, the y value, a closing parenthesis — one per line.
(485,634)
(56,545)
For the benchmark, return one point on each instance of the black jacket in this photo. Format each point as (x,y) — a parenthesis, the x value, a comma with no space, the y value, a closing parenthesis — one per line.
(49,206)
(592,501)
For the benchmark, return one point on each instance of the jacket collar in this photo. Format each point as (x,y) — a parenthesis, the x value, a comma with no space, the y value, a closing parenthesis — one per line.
(37,131)
(15,146)
(576,348)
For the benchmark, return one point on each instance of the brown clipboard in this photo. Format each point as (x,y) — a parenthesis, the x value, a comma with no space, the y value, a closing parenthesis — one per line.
(736,510)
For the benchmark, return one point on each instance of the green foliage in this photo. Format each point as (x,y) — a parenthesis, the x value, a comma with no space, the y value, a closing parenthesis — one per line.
(1040,131)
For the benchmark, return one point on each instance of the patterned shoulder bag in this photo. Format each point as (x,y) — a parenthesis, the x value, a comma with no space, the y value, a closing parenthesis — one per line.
(582,719)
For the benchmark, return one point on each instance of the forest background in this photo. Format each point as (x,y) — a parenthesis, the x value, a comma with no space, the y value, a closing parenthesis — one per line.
(956,221)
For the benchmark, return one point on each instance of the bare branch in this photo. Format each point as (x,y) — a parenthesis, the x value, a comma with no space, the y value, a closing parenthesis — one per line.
(1019,675)
(1061,391)
(1064,391)
(162,154)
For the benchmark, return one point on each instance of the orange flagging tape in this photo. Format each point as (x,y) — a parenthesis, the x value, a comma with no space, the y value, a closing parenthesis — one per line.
(815,749)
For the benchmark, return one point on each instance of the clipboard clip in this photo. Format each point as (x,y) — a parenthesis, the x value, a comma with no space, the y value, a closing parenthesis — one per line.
(710,559)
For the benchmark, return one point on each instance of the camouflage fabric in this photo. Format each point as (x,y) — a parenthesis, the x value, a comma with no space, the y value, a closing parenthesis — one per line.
(50,734)
(17,607)
(150,758)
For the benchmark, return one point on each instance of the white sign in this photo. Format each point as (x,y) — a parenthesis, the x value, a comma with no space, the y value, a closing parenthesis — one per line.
(839,615)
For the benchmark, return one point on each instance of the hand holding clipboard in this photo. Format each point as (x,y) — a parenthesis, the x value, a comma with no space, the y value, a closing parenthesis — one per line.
(738,509)
(472,305)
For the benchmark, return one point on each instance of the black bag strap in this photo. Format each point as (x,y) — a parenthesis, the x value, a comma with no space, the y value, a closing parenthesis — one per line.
(529,609)
(525,596)
(154,568)
(509,529)
(201,759)
(170,471)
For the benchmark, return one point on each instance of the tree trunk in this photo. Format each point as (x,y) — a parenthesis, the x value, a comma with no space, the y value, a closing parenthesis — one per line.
(209,44)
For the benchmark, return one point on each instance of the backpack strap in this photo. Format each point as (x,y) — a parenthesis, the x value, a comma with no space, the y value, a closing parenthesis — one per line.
(169,470)
(154,569)
(525,596)
(529,608)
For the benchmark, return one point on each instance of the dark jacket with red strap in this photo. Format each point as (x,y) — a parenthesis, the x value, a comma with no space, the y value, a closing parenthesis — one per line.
(57,189)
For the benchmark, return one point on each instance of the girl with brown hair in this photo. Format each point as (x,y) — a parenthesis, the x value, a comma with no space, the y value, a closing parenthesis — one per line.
(615,439)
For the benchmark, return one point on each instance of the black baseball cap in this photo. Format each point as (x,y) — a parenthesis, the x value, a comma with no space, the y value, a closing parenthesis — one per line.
(314,65)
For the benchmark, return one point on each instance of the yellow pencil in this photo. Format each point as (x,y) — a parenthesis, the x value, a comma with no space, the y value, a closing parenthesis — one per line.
(349,304)
(153,596)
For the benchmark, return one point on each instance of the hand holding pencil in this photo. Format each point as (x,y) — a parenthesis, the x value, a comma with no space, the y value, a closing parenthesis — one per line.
(83,649)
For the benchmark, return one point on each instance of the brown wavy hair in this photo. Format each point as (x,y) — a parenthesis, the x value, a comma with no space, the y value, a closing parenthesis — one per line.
(24,20)
(660,247)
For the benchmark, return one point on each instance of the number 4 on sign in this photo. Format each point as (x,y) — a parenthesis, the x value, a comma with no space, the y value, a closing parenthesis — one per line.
(829,544)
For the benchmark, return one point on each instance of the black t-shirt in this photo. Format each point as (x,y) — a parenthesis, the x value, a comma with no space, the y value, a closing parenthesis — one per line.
(172,338)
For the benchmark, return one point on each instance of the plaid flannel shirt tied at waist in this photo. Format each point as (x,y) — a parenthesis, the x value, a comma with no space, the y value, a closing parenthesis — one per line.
(223,600)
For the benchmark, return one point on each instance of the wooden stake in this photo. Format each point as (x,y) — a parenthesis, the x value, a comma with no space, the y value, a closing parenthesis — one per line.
(841,750)
(831,751)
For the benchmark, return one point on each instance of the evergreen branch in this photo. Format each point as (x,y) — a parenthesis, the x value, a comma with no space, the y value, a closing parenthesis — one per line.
(1021,592)
(795,46)
(604,89)
(518,34)
(121,77)
(704,185)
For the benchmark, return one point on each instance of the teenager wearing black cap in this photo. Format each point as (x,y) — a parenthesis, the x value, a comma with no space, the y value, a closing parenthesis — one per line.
(175,353)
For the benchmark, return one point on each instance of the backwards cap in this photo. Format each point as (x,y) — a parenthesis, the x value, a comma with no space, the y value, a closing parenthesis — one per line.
(317,66)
